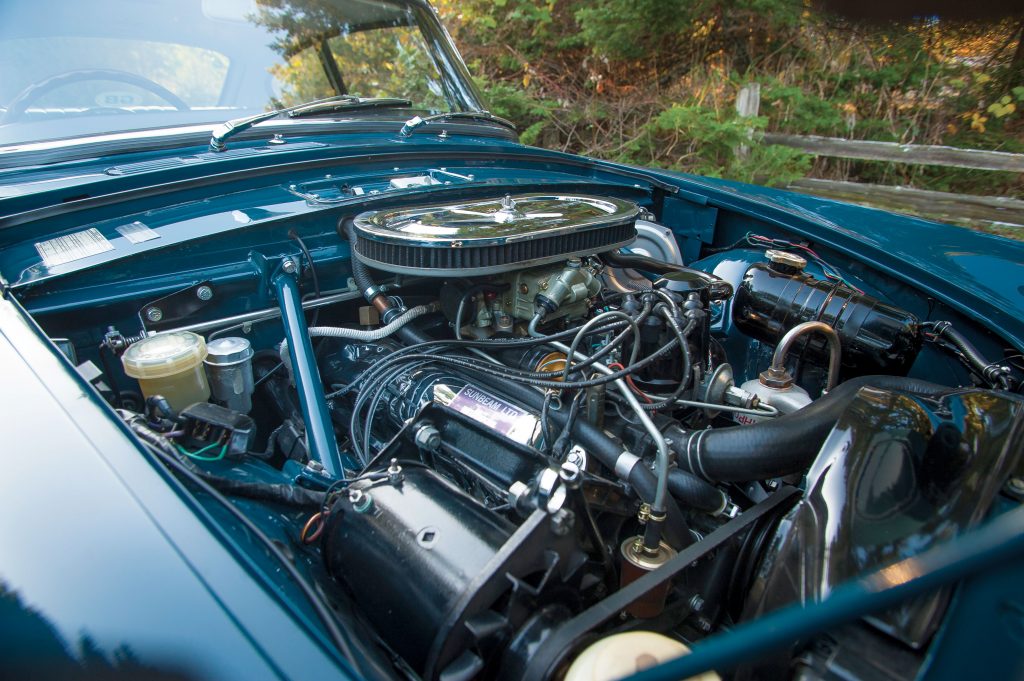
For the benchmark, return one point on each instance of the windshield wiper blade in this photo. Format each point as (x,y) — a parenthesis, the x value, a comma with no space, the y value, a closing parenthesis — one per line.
(228,129)
(355,103)
(487,116)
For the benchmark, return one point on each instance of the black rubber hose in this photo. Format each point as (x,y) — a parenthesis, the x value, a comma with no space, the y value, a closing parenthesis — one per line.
(360,272)
(720,289)
(278,493)
(695,492)
(605,450)
(990,371)
(593,439)
(781,446)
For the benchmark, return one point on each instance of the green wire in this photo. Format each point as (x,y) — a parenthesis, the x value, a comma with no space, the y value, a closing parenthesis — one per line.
(198,455)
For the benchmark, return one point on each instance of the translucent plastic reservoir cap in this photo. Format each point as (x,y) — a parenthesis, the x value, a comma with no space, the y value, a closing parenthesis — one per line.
(231,350)
(165,354)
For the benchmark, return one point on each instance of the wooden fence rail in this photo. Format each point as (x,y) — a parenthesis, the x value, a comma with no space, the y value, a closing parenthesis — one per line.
(917,154)
(998,210)
(995,209)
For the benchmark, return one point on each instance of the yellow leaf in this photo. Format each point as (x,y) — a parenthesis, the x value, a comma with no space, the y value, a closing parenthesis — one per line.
(1001,109)
(526,79)
(982,78)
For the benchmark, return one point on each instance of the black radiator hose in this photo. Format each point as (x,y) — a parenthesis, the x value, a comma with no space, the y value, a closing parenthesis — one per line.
(695,492)
(781,446)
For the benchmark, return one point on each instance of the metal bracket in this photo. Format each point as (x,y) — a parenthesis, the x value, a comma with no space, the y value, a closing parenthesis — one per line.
(170,310)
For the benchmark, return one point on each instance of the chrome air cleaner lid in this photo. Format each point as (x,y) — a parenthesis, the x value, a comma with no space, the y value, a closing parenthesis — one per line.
(493,235)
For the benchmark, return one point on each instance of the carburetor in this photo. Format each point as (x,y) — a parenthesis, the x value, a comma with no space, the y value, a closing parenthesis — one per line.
(561,290)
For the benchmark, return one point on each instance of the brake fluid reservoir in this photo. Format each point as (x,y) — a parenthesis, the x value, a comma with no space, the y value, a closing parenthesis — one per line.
(170,364)
(229,371)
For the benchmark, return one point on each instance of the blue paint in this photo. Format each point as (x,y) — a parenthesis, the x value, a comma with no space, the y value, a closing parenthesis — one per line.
(319,431)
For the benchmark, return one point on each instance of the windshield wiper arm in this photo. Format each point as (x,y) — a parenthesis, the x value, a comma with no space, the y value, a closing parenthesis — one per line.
(228,129)
(417,121)
(355,103)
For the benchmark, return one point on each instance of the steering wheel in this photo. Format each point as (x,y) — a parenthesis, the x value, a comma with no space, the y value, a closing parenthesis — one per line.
(19,105)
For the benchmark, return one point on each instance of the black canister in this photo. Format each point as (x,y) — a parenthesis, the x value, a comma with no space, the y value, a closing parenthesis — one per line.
(775,296)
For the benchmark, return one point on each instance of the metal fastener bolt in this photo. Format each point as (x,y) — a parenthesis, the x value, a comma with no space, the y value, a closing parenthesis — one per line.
(289,266)
(427,437)
(204,293)
(1016,485)
(154,314)
(696,603)
(360,500)
(394,472)
(523,288)
(562,522)
(570,474)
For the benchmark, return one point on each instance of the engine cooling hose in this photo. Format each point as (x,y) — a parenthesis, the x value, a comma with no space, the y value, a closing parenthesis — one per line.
(781,446)
(695,492)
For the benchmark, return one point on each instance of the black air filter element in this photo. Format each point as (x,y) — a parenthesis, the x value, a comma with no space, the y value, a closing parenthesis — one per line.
(494,235)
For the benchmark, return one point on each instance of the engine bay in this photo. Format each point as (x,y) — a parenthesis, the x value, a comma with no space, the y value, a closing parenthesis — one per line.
(517,434)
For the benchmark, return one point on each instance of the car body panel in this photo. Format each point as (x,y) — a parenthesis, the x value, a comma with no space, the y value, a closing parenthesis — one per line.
(965,269)
(103,563)
(104,555)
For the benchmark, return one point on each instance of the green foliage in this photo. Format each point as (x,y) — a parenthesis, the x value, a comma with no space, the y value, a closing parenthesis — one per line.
(654,82)
(389,61)
(702,141)
(621,29)
(795,110)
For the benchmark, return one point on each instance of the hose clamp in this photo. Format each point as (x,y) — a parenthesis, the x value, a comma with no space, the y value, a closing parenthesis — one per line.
(693,453)
(625,463)
(391,314)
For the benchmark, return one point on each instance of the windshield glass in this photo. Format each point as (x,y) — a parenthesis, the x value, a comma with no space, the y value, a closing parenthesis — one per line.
(127,65)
